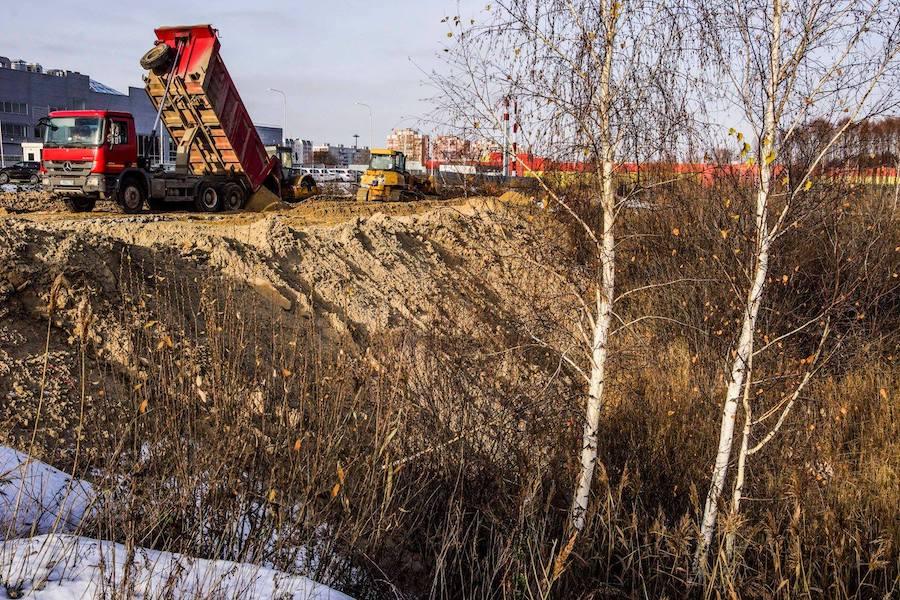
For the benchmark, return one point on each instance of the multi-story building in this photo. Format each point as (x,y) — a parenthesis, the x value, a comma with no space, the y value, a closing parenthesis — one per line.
(447,148)
(482,148)
(28,93)
(303,151)
(410,142)
(339,155)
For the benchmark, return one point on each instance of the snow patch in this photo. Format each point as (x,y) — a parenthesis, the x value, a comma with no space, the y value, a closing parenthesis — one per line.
(51,567)
(36,498)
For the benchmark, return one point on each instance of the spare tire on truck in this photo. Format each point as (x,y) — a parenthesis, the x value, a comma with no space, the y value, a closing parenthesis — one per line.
(156,57)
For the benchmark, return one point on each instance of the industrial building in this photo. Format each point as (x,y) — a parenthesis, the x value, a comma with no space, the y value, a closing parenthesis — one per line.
(28,93)
(270,135)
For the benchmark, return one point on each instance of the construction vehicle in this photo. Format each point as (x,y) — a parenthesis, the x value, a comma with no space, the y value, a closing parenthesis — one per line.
(387,179)
(220,159)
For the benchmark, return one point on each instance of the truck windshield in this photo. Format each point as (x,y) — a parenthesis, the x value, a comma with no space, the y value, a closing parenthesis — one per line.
(384,162)
(73,132)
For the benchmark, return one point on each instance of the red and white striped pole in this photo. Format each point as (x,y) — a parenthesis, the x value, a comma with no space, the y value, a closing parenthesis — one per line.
(506,136)
(515,143)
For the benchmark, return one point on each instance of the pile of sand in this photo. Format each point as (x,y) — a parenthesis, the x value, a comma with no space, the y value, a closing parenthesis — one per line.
(264,200)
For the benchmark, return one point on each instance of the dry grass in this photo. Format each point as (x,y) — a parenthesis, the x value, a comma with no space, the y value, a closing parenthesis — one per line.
(441,467)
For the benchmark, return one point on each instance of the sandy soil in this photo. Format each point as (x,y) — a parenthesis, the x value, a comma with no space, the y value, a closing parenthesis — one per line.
(354,271)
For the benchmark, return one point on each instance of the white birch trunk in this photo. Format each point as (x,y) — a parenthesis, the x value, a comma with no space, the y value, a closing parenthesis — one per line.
(744,349)
(726,431)
(741,468)
(600,341)
(605,293)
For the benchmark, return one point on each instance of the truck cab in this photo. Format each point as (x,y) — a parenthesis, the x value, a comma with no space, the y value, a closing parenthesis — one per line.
(84,153)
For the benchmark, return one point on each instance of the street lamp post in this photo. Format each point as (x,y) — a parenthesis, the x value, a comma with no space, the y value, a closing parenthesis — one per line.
(2,157)
(371,123)
(283,114)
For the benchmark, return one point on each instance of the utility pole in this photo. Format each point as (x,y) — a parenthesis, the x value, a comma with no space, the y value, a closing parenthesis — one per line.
(283,115)
(2,157)
(355,141)
(371,123)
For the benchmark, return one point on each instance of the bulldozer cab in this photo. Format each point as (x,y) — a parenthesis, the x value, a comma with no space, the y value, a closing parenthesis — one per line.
(387,160)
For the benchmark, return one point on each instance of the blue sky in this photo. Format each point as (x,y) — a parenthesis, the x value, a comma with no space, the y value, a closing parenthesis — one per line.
(325,55)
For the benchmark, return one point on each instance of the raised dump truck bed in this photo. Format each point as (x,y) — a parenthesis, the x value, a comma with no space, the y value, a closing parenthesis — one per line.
(91,155)
(202,110)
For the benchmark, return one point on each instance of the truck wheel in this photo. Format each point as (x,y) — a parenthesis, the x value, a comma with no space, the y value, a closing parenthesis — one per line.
(233,196)
(156,57)
(4,178)
(131,197)
(80,203)
(208,199)
(34,179)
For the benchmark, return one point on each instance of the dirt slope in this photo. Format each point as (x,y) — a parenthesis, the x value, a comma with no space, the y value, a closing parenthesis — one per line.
(450,268)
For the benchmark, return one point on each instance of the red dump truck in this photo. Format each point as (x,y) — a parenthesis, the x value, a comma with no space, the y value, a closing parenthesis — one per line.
(220,159)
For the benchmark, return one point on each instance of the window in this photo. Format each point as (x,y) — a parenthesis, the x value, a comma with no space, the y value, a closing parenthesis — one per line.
(14,108)
(73,132)
(118,132)
(14,130)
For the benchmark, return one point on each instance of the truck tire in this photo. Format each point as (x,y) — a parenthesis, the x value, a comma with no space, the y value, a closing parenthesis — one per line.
(233,196)
(131,196)
(156,57)
(4,178)
(34,180)
(80,203)
(208,199)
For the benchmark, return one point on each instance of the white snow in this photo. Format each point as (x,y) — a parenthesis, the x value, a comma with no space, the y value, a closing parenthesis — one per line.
(57,567)
(35,498)
(39,500)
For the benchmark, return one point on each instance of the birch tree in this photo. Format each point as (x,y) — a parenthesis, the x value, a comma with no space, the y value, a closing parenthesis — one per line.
(593,80)
(784,63)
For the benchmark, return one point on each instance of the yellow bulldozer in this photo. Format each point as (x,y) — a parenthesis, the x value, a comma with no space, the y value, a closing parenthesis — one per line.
(387,179)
